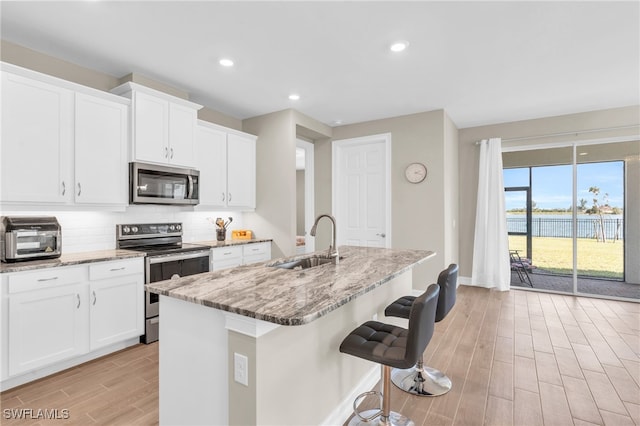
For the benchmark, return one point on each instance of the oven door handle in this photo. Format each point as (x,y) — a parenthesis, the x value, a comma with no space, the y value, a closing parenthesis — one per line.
(182,256)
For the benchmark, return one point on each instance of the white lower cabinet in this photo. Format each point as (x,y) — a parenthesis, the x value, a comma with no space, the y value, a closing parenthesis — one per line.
(116,310)
(46,326)
(226,257)
(245,254)
(54,315)
(255,253)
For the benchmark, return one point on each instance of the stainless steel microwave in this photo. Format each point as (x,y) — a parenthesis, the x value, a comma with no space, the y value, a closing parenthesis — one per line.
(155,184)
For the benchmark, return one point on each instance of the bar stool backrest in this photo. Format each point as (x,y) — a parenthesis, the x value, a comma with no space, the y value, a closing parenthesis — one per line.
(447,281)
(421,323)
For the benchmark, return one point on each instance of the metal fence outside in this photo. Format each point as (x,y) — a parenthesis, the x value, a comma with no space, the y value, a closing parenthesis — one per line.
(561,227)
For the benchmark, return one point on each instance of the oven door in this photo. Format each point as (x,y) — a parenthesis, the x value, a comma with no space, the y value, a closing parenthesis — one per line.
(153,184)
(167,267)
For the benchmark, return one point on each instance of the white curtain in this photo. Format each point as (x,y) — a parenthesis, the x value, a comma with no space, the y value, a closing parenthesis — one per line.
(491,267)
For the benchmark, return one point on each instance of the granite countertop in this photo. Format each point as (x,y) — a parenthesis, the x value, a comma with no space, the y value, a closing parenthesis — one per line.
(70,259)
(100,256)
(293,297)
(227,243)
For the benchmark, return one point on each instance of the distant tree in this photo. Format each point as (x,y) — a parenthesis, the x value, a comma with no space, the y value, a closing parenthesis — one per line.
(616,210)
(598,204)
(583,204)
(534,205)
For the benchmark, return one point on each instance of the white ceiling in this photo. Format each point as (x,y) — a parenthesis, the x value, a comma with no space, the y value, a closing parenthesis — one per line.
(483,62)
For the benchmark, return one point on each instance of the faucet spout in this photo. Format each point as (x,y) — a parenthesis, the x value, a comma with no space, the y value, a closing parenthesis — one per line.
(333,249)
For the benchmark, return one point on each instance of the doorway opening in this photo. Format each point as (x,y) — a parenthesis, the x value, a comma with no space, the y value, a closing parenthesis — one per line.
(305,206)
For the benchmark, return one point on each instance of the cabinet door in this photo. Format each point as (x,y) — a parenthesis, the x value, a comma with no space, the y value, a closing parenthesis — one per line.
(100,151)
(211,155)
(151,128)
(182,126)
(46,326)
(241,171)
(256,252)
(226,257)
(116,310)
(35,150)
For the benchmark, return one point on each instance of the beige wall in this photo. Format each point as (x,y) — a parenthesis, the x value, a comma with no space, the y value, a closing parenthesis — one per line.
(275,214)
(423,214)
(580,127)
(46,64)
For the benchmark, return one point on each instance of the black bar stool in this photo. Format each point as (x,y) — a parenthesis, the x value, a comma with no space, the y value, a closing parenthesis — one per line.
(392,346)
(422,380)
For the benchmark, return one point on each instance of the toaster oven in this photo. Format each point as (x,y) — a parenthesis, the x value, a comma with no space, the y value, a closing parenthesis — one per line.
(29,238)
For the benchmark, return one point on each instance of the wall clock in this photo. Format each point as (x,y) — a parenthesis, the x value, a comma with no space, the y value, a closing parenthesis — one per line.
(416,172)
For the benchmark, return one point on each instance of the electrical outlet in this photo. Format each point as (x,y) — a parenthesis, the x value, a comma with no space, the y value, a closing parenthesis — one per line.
(241,369)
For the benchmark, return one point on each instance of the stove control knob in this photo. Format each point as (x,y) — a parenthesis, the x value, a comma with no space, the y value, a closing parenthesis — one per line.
(126,229)
(134,229)
(172,228)
(178,227)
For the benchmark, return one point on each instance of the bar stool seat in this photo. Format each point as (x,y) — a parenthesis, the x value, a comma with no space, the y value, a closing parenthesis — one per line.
(421,380)
(392,346)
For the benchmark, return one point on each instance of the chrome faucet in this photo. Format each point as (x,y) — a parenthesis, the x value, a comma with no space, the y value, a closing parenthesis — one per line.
(333,249)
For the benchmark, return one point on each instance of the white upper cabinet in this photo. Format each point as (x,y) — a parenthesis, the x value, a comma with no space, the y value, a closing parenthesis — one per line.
(226,159)
(37,139)
(62,143)
(151,128)
(241,170)
(163,126)
(100,151)
(182,130)
(211,152)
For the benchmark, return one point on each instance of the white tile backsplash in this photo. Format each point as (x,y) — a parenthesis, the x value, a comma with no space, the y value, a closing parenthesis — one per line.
(92,230)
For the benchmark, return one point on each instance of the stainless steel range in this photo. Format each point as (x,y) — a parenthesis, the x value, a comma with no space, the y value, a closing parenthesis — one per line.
(167,258)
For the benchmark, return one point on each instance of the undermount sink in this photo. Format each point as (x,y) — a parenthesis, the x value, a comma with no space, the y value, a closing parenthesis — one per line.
(303,263)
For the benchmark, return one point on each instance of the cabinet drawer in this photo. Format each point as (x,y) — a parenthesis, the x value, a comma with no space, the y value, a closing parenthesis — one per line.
(223,253)
(255,249)
(102,270)
(50,277)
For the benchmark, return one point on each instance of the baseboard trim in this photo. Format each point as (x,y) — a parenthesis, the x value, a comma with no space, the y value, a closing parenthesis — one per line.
(343,411)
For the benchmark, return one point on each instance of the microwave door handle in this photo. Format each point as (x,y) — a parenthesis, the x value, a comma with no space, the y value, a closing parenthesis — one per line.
(190,193)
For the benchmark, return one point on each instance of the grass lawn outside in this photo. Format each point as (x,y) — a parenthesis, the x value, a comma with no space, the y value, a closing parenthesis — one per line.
(554,255)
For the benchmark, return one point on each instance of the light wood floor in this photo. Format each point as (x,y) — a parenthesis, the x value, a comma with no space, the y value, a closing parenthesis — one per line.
(526,358)
(515,358)
(118,389)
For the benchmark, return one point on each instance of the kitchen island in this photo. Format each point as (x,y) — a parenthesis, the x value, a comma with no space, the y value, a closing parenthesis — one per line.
(258,344)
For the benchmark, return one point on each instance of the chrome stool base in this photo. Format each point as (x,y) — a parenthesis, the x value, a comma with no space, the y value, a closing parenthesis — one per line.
(421,381)
(395,419)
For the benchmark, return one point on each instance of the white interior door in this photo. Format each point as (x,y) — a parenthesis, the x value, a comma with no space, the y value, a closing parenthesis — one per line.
(362,190)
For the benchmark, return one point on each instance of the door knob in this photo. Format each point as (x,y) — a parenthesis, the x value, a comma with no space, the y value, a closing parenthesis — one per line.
(382,235)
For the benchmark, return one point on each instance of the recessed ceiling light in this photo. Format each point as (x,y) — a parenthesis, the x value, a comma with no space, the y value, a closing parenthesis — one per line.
(583,153)
(337,122)
(226,62)
(399,46)
(294,96)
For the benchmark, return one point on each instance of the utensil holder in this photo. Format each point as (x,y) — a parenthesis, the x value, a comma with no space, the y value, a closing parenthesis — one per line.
(221,234)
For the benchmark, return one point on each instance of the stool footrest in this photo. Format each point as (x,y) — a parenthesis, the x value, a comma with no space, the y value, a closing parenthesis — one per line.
(371,414)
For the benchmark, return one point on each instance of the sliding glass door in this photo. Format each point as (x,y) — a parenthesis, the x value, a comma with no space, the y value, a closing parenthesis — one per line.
(584,230)
(608,257)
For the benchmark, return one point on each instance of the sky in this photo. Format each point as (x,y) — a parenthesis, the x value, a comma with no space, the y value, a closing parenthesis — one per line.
(552,185)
